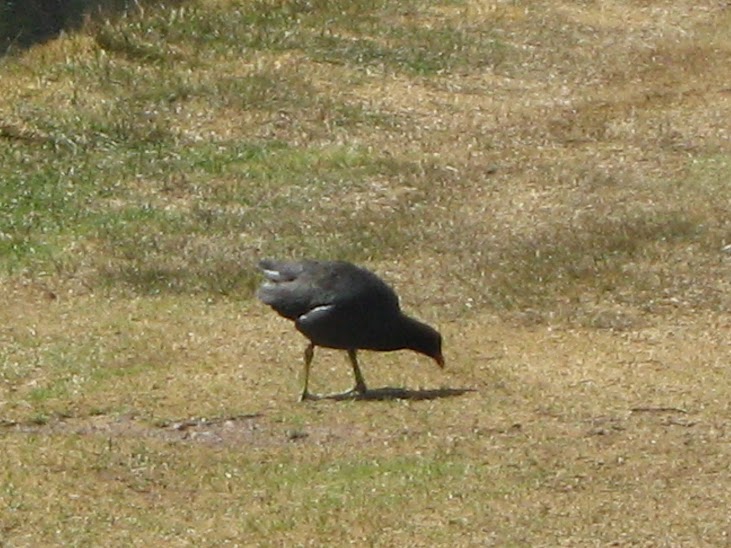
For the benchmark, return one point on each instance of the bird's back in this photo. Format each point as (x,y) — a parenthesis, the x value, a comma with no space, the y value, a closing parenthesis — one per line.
(295,288)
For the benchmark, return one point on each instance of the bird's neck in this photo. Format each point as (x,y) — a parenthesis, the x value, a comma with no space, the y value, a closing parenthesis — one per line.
(404,332)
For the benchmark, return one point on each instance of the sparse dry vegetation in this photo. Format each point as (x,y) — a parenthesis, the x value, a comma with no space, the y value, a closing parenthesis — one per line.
(549,182)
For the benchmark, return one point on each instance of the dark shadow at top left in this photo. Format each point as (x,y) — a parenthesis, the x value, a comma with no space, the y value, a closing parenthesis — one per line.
(24,23)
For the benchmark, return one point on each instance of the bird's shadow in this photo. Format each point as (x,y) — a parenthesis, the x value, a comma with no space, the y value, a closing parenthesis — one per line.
(388,393)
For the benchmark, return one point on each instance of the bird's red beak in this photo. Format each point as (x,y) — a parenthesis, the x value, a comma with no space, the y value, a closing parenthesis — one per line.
(440,360)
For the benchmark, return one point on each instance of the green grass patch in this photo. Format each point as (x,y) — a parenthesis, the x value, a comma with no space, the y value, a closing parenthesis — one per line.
(415,50)
(356,35)
(169,215)
(260,494)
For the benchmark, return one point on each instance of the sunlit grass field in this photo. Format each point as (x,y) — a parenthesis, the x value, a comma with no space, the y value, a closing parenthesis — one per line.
(549,183)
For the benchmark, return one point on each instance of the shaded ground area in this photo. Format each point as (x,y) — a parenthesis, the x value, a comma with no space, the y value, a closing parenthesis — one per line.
(254,430)
(24,23)
(258,430)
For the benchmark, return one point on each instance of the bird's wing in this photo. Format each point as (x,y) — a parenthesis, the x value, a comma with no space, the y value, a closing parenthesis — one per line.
(343,284)
(294,288)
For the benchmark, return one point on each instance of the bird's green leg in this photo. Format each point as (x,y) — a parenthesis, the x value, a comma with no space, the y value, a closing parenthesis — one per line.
(360,385)
(309,354)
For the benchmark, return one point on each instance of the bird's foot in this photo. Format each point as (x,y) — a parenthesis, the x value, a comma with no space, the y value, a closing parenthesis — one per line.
(308,396)
(356,391)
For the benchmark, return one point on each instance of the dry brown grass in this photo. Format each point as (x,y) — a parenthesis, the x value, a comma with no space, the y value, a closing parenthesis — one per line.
(558,209)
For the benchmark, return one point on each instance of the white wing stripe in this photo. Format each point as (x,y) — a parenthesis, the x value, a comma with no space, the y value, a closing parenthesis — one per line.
(317,310)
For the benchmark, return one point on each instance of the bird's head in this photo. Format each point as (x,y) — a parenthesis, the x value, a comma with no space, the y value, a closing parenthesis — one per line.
(436,350)
(428,341)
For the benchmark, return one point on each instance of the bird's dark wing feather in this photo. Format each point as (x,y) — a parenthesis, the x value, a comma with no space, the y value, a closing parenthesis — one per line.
(295,288)
(284,290)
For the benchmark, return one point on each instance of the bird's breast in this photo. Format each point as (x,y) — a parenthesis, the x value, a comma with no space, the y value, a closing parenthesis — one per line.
(343,327)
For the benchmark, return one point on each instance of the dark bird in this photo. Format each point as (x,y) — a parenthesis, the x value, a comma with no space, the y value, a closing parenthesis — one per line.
(336,304)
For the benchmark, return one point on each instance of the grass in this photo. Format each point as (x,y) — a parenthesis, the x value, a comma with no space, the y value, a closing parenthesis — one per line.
(546,182)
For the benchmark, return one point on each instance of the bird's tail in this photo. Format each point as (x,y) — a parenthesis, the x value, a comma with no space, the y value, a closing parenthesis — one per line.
(280,271)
